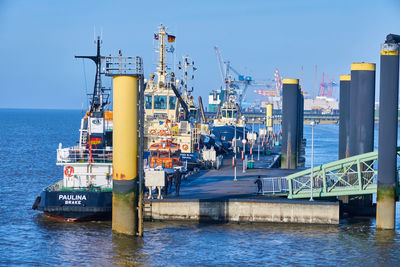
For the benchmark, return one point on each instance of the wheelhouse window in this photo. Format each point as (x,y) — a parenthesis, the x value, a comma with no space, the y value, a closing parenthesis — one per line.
(148,101)
(160,102)
(172,102)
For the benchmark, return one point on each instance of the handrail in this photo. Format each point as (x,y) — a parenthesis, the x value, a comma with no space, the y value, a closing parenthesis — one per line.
(354,175)
(84,155)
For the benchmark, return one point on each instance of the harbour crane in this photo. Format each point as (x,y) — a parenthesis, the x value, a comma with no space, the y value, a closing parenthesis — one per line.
(228,81)
(326,86)
(273,90)
(242,83)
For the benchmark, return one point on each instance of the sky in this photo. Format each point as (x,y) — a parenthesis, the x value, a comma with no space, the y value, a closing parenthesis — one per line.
(39,40)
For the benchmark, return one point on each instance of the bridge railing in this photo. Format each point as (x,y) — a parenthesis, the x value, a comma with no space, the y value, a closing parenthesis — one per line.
(355,175)
(351,176)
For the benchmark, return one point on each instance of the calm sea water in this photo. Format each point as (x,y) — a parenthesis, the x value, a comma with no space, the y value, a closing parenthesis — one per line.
(28,142)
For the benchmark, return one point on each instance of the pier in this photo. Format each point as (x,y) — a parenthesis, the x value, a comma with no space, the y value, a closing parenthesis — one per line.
(213,196)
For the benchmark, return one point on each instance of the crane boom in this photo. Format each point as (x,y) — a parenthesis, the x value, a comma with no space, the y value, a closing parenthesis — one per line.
(220,61)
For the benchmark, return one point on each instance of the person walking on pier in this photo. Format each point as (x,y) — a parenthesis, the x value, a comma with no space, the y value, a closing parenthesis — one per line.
(168,181)
(259,185)
(177,181)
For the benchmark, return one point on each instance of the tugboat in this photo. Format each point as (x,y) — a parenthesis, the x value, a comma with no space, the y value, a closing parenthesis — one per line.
(167,106)
(228,116)
(85,192)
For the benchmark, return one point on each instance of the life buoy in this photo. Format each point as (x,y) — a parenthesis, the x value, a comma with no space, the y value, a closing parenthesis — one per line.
(185,147)
(153,132)
(69,171)
(162,132)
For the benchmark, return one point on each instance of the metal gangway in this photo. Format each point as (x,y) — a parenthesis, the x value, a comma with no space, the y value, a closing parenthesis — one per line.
(355,175)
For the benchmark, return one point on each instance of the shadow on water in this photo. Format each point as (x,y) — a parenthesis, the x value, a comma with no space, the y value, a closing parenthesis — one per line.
(72,240)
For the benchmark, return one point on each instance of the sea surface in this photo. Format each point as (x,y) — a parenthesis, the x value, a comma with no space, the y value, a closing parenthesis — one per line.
(28,143)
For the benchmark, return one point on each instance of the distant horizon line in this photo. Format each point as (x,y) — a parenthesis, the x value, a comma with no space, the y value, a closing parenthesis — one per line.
(71,109)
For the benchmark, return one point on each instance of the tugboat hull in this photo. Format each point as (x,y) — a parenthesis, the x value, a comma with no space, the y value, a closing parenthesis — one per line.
(225,134)
(75,205)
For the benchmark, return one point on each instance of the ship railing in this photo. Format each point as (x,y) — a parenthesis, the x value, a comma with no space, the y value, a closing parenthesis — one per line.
(123,65)
(83,155)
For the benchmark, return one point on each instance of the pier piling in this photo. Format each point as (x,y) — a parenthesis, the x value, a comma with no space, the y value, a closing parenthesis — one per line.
(269,121)
(362,114)
(125,155)
(344,116)
(289,123)
(387,155)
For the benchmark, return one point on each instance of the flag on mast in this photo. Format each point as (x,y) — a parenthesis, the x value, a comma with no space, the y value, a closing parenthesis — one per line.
(156,36)
(171,38)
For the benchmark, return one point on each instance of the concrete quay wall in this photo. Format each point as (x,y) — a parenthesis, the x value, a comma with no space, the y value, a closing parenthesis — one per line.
(245,210)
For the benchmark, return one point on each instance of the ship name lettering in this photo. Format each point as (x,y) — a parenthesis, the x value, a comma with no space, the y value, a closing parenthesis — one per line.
(72,197)
(73,202)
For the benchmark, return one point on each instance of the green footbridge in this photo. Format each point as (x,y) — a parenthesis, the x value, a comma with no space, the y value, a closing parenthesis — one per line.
(355,175)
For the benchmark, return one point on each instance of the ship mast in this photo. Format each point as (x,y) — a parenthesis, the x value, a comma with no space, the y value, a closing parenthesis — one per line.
(162,68)
(97,103)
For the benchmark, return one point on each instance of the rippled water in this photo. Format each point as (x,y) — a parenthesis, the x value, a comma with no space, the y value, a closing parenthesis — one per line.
(28,140)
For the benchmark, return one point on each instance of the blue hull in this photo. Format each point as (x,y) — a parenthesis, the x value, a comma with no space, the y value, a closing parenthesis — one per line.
(225,134)
(75,205)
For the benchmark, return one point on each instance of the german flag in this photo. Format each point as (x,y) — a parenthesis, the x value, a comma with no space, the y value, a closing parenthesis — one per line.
(171,38)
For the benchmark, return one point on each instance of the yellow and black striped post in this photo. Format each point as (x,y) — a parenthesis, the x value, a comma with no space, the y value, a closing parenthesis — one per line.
(289,123)
(125,155)
(387,154)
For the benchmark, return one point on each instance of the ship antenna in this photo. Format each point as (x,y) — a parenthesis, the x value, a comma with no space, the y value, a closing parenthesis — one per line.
(96,104)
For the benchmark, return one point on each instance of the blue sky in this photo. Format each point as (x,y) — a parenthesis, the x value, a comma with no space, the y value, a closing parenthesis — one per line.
(40,38)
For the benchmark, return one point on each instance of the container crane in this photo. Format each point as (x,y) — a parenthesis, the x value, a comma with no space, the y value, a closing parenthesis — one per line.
(326,86)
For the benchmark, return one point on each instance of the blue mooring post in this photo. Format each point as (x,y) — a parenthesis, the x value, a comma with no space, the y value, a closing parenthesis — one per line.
(362,117)
(344,116)
(387,154)
(289,123)
(344,122)
(298,133)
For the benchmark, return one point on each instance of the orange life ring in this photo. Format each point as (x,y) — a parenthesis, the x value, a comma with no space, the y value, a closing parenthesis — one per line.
(185,147)
(69,171)
(153,132)
(162,132)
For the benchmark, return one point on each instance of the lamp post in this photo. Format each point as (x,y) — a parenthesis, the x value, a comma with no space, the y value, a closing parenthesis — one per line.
(252,138)
(244,142)
(234,178)
(312,123)
(234,148)
(258,139)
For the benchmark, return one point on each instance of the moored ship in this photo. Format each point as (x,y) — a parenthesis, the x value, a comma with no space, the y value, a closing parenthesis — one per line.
(85,192)
(168,104)
(228,120)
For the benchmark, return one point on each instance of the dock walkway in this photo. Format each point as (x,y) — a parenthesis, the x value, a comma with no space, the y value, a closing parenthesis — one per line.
(214,196)
(220,184)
